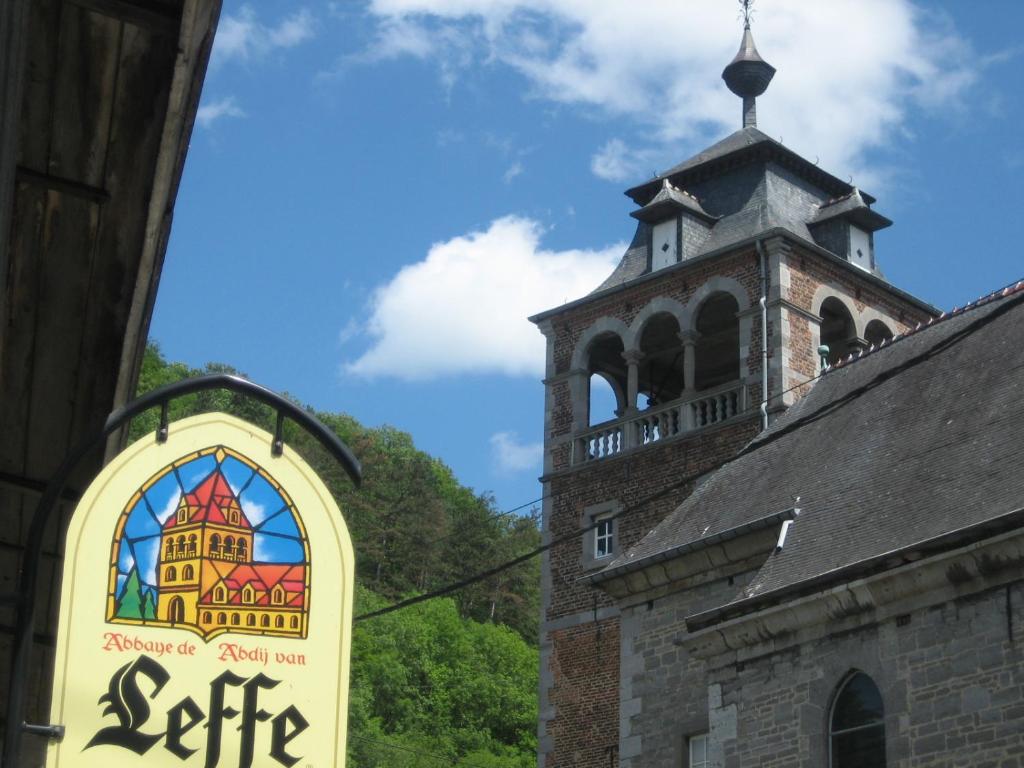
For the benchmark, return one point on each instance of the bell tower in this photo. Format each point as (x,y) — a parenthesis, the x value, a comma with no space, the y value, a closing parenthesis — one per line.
(745,259)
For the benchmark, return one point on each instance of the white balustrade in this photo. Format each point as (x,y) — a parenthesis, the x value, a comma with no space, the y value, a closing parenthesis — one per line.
(658,423)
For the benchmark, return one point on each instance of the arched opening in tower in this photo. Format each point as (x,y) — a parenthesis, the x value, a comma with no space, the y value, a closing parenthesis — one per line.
(838,331)
(606,368)
(877,332)
(718,342)
(661,365)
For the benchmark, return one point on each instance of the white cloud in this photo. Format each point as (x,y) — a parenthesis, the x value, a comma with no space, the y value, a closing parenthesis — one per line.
(207,114)
(512,455)
(616,161)
(516,169)
(463,308)
(243,36)
(849,71)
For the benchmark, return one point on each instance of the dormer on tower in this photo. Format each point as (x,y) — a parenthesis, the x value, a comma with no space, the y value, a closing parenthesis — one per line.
(678,226)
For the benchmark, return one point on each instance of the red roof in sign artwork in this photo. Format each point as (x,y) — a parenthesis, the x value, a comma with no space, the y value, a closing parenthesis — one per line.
(264,578)
(209,502)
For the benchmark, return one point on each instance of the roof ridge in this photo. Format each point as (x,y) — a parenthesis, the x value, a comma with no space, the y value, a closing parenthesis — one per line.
(999,293)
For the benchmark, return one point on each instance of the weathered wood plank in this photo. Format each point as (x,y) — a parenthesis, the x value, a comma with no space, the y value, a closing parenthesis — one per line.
(37,93)
(65,259)
(20,313)
(86,75)
(140,105)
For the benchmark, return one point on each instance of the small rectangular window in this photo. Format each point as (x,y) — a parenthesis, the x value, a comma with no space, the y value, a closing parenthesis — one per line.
(604,537)
(697,751)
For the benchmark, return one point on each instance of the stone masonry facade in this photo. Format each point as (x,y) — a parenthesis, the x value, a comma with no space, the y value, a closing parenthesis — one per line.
(951,698)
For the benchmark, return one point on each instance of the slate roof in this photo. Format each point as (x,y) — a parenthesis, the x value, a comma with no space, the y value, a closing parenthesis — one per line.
(749,139)
(854,207)
(895,447)
(668,201)
(761,202)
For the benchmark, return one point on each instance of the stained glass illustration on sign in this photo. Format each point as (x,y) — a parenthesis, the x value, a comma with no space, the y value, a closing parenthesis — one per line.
(211,543)
(206,608)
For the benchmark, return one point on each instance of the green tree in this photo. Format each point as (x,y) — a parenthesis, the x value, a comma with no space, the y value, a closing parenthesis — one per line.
(131,603)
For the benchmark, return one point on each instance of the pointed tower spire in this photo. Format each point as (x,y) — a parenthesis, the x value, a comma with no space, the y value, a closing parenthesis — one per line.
(748,74)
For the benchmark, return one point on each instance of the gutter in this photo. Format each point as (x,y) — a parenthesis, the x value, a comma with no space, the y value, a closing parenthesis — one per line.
(764,333)
(961,536)
(870,277)
(696,545)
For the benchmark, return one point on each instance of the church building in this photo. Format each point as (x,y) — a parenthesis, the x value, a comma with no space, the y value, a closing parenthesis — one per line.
(207,576)
(798,540)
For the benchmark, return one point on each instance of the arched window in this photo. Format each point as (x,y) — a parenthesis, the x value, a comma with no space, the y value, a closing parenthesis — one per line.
(188,573)
(221,618)
(264,620)
(838,331)
(170,574)
(192,544)
(877,332)
(606,398)
(169,551)
(215,544)
(182,514)
(233,517)
(248,595)
(718,342)
(241,548)
(277,596)
(660,371)
(856,726)
(295,622)
(207,617)
(181,545)
(250,620)
(218,595)
(279,622)
(176,610)
(234,619)
(229,546)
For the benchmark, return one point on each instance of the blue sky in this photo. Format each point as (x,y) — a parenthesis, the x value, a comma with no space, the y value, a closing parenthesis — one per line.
(378,193)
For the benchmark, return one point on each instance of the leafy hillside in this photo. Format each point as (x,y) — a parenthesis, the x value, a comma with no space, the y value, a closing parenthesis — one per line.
(456,677)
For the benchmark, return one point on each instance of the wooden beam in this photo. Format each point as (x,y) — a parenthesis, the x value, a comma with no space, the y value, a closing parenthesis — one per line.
(158,18)
(59,184)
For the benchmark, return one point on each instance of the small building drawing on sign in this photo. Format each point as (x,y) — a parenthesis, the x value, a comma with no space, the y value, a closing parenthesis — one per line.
(211,544)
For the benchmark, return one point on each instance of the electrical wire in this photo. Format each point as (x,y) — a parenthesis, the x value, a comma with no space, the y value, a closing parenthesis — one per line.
(412,751)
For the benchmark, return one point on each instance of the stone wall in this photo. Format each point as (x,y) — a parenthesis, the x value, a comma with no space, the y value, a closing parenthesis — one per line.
(950,674)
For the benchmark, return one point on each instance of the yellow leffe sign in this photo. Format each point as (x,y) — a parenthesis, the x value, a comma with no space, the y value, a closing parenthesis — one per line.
(206,608)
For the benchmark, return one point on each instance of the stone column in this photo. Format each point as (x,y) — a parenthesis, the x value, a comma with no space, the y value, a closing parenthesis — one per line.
(689,339)
(632,358)
(579,390)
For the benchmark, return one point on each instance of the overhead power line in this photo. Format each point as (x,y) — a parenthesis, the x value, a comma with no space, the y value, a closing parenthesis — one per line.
(411,751)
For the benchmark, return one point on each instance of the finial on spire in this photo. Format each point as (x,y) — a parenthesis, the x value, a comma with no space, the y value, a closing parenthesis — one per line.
(745,9)
(748,74)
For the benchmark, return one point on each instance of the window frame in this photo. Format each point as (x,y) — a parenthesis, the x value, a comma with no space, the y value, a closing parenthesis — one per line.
(688,750)
(604,538)
(592,514)
(831,733)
